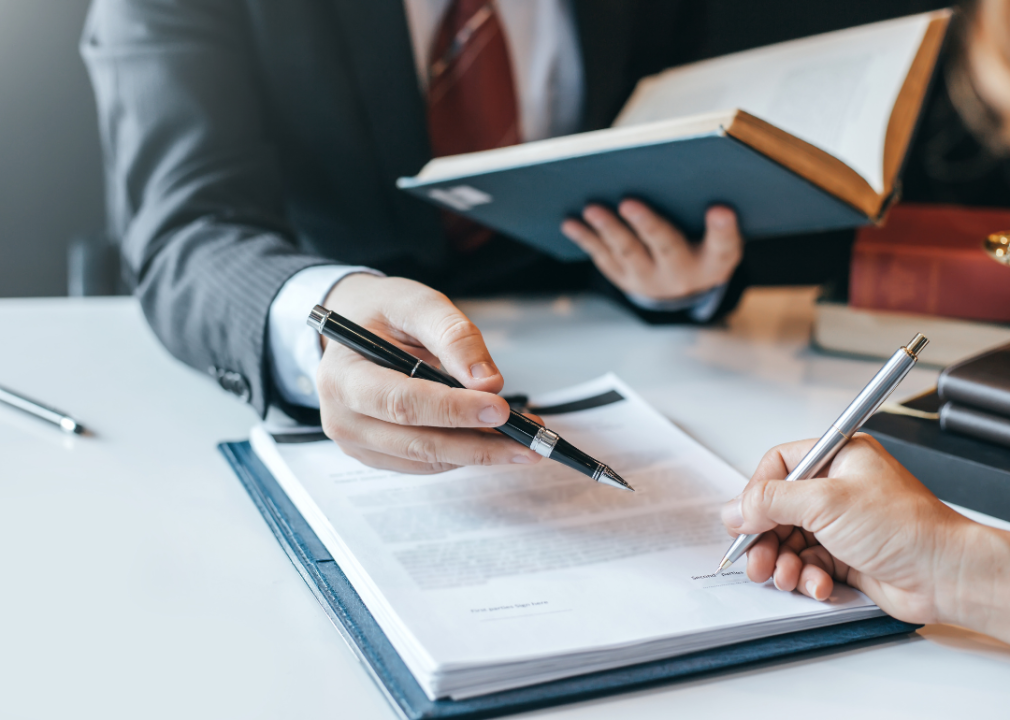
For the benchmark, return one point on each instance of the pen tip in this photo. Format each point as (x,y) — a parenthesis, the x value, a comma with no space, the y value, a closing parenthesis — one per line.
(724,564)
(609,477)
(70,425)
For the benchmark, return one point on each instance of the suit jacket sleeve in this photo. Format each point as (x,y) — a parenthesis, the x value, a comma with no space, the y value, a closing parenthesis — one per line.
(194,189)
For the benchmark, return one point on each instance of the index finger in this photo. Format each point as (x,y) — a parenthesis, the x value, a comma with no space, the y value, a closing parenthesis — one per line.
(393,397)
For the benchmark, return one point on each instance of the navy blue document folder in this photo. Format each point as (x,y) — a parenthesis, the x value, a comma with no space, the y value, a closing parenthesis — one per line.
(376,653)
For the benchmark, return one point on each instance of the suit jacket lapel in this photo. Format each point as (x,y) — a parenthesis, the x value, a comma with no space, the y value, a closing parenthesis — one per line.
(377,39)
(378,48)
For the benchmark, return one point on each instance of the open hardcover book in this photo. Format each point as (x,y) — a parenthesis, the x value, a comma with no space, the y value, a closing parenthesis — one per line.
(801,136)
(491,578)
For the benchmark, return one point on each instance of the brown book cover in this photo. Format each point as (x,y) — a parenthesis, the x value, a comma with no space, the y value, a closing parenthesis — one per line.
(929,259)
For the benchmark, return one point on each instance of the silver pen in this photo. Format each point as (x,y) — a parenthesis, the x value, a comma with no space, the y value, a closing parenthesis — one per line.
(859,410)
(43,412)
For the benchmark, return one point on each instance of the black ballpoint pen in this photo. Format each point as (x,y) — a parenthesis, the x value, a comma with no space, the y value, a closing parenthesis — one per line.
(518,427)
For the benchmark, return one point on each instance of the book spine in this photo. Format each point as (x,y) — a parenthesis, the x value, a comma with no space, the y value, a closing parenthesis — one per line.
(975,423)
(950,282)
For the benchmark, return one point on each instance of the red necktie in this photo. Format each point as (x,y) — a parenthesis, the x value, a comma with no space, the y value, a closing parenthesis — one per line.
(471,96)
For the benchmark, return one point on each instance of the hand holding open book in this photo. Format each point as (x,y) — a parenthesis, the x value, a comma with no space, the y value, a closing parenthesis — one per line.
(806,135)
(645,256)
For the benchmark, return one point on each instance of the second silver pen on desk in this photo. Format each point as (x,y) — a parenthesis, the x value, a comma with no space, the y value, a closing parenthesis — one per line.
(42,412)
(859,410)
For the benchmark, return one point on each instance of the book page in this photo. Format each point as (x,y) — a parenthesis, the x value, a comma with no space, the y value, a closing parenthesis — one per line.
(567,146)
(490,578)
(835,91)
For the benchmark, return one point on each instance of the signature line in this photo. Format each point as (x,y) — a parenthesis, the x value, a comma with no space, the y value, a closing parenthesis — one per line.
(520,617)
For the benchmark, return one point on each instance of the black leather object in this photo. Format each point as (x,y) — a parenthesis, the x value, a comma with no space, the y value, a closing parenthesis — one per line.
(981,382)
(963,470)
(975,423)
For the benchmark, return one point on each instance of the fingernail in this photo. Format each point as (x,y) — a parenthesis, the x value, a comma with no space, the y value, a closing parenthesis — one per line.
(775,581)
(482,370)
(720,220)
(630,211)
(523,460)
(732,513)
(811,590)
(491,415)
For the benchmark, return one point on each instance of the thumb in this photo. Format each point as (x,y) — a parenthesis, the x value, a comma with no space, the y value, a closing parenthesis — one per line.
(450,335)
(767,503)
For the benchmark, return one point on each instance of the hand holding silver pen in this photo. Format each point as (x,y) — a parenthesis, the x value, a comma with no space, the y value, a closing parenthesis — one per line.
(841,431)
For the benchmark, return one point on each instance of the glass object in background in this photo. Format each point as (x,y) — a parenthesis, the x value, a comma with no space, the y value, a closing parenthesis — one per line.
(998,246)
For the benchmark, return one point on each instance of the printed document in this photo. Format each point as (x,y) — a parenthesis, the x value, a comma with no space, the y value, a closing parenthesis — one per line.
(490,578)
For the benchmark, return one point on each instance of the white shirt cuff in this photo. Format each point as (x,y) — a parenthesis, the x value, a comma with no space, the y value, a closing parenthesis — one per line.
(294,347)
(700,306)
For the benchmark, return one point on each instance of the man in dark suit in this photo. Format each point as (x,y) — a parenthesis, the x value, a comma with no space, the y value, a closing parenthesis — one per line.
(252,148)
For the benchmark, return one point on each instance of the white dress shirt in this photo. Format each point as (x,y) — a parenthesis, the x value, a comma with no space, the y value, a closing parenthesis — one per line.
(543,48)
(547,70)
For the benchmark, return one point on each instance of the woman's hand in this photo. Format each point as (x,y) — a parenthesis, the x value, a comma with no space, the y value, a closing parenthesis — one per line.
(869,523)
(643,254)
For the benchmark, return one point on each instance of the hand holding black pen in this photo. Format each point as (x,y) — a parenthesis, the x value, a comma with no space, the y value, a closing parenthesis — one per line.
(518,427)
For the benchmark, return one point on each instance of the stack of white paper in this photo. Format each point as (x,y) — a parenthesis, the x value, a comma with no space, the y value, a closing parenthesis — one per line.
(486,579)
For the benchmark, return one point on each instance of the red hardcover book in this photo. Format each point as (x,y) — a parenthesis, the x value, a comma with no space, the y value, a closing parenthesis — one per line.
(929,259)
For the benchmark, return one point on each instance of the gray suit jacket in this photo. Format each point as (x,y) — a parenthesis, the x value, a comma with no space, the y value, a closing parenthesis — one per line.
(246,140)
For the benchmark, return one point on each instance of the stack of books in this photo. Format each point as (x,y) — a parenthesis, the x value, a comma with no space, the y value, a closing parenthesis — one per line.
(925,270)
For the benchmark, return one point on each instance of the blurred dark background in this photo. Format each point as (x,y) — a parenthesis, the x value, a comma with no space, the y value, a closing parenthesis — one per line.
(50,160)
(739,24)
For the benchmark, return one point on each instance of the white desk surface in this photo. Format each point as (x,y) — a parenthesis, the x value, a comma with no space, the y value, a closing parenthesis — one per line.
(138,579)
